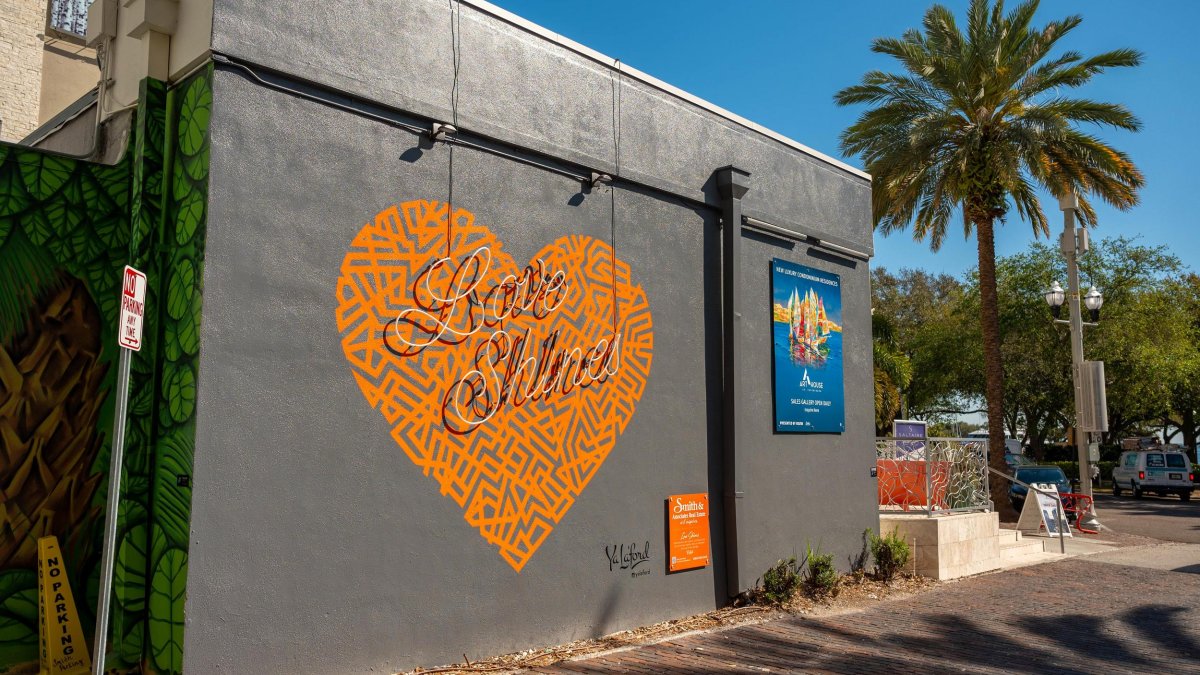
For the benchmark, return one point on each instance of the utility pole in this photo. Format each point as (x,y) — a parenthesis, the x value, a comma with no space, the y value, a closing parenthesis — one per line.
(1074,241)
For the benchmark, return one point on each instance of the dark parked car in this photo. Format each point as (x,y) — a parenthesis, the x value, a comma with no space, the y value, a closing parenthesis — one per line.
(1016,459)
(1036,475)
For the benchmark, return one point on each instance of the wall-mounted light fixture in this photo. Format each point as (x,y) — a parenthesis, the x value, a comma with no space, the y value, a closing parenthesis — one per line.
(441,129)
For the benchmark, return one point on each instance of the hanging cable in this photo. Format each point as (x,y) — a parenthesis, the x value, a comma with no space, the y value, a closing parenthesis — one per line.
(617,83)
(456,55)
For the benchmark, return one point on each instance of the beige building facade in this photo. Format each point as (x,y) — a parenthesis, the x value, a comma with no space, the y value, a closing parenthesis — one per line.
(42,71)
(69,71)
(22,23)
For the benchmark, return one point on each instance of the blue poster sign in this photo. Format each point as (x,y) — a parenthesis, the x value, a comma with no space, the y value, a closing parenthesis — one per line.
(807,335)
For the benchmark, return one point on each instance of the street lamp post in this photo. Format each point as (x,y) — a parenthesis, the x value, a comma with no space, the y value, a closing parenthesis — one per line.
(1074,241)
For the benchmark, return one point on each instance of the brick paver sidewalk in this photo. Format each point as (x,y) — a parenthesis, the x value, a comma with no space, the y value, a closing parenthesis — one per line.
(1075,616)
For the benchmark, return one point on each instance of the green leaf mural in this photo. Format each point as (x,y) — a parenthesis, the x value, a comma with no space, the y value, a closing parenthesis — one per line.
(179,384)
(172,502)
(182,290)
(187,331)
(141,402)
(111,230)
(73,193)
(115,189)
(131,589)
(190,216)
(64,219)
(194,115)
(44,178)
(131,648)
(82,222)
(196,166)
(181,184)
(167,596)
(13,199)
(160,543)
(18,616)
(179,312)
(37,227)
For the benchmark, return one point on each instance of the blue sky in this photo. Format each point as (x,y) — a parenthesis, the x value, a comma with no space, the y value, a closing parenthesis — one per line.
(779,63)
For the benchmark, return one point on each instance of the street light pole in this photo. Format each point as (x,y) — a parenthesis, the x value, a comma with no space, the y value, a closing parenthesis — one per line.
(1070,245)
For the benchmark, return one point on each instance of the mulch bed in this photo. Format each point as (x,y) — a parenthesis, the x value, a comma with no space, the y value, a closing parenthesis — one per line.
(853,592)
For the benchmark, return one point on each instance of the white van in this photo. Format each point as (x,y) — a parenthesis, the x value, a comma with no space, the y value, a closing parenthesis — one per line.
(1157,470)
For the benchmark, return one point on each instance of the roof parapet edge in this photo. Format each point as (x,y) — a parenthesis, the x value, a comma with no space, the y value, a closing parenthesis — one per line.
(587,52)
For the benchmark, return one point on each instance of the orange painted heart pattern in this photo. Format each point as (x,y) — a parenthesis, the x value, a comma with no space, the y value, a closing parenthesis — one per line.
(507,385)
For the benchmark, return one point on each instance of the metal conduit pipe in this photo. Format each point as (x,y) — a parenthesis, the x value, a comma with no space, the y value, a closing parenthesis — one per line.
(811,239)
(732,183)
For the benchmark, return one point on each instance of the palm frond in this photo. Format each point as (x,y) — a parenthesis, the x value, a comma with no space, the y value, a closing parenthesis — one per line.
(1080,73)
(27,274)
(1058,110)
(966,124)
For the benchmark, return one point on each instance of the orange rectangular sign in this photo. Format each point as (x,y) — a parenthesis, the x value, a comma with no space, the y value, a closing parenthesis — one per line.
(687,531)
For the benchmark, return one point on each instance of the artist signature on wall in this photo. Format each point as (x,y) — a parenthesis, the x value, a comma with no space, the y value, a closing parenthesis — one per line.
(628,557)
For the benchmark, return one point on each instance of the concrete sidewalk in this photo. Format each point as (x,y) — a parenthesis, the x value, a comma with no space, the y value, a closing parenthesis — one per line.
(1079,615)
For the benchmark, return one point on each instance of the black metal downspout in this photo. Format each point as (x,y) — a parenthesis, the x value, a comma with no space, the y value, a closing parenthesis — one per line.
(732,184)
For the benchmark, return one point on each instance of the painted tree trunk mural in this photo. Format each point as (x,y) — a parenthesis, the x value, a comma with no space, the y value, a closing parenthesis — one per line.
(52,389)
(67,228)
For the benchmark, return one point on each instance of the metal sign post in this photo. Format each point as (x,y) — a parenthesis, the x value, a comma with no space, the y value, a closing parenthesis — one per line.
(129,339)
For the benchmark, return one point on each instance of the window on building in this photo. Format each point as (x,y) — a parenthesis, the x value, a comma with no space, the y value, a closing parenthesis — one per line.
(68,16)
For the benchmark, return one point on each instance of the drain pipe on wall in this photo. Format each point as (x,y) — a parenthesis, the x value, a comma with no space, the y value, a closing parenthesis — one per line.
(732,185)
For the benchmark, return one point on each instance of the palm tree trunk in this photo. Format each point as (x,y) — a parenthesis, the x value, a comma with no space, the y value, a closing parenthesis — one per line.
(993,366)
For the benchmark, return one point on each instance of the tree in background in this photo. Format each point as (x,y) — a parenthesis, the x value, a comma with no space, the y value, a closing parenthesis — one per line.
(893,372)
(1038,390)
(1185,389)
(977,122)
(923,312)
(1146,335)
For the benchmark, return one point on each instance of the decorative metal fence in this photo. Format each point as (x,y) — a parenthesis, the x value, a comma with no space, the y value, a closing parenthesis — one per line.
(932,476)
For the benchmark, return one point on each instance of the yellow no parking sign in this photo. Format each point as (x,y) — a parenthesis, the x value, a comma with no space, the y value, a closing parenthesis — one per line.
(62,650)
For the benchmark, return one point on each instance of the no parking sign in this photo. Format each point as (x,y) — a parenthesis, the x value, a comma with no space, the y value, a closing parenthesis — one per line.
(133,309)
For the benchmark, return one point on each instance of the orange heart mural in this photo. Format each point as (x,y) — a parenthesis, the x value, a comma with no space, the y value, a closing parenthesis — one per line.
(507,385)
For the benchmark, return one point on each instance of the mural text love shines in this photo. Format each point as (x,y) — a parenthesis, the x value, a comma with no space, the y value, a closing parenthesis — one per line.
(510,367)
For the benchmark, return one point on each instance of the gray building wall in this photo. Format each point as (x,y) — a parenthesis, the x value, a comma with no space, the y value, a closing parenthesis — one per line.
(317,545)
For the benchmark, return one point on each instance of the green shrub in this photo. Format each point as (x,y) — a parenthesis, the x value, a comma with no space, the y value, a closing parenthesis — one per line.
(1071,469)
(820,576)
(779,583)
(891,554)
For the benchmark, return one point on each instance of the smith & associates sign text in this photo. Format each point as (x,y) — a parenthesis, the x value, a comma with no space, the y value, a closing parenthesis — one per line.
(687,529)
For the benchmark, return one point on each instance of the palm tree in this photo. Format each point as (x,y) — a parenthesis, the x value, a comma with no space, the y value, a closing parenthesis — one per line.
(978,122)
